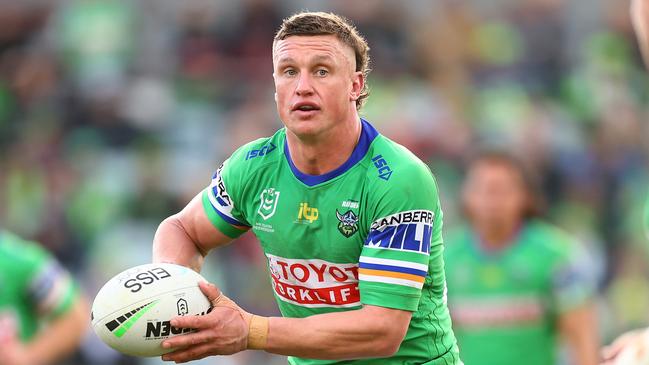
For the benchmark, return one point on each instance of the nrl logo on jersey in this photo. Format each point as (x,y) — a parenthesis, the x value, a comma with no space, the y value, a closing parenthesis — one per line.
(268,203)
(347,223)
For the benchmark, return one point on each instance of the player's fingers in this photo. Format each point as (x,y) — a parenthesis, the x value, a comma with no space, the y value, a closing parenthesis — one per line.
(196,322)
(187,340)
(188,354)
(210,290)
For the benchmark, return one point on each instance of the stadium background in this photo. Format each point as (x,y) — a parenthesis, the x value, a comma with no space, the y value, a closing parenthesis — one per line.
(114,114)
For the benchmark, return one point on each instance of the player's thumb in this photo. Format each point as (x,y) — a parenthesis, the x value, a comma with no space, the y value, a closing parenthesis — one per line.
(216,297)
(210,291)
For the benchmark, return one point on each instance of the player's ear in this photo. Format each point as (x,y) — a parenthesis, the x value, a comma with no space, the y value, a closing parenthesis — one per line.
(276,97)
(358,83)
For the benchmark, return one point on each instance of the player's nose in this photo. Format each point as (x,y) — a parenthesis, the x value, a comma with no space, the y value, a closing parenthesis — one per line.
(304,85)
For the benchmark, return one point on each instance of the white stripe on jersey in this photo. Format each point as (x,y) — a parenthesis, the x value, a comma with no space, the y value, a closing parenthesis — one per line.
(388,280)
(391,262)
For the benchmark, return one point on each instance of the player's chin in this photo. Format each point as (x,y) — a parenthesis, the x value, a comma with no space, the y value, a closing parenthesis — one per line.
(305,125)
(305,119)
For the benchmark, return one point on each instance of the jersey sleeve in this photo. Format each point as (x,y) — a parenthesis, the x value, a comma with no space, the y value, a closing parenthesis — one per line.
(51,289)
(47,287)
(573,280)
(405,230)
(221,201)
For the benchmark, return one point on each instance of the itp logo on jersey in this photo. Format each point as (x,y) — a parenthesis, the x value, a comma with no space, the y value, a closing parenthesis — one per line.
(409,231)
(307,214)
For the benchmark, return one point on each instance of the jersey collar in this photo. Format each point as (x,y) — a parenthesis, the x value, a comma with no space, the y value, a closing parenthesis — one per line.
(368,134)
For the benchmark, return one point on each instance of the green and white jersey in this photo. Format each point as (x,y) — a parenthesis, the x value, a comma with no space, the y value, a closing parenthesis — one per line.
(369,232)
(505,304)
(33,287)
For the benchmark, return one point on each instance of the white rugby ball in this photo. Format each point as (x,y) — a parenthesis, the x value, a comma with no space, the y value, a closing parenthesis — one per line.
(131,312)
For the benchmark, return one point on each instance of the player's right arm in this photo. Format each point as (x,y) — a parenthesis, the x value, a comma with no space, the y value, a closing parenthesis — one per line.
(186,237)
(210,220)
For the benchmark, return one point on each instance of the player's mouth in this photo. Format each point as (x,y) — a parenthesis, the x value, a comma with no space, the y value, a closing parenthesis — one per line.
(305,108)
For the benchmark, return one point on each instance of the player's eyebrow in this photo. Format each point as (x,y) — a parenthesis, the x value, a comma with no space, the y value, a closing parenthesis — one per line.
(284,60)
(323,59)
(319,59)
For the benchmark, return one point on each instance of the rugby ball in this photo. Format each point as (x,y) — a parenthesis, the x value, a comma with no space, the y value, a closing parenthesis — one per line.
(131,312)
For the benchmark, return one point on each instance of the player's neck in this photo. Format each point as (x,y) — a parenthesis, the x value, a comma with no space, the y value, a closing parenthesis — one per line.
(496,237)
(326,152)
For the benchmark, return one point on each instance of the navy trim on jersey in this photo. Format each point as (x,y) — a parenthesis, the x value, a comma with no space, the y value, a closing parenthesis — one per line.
(231,221)
(368,134)
(405,270)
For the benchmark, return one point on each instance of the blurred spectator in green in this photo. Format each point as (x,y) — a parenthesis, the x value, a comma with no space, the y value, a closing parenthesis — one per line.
(515,283)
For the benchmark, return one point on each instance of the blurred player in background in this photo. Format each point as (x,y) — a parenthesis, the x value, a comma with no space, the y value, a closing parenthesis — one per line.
(43,317)
(350,222)
(633,347)
(514,284)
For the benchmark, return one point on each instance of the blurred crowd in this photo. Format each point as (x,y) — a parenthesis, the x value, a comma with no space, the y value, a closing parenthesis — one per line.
(113,114)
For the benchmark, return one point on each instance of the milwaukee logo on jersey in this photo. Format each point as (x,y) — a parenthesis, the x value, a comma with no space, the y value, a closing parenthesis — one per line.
(314,283)
(410,231)
(306,213)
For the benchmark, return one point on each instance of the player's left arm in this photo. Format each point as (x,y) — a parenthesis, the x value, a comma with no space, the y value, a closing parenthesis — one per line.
(64,312)
(371,331)
(573,291)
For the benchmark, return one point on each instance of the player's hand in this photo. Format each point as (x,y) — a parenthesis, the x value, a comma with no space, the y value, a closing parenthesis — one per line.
(223,331)
(630,348)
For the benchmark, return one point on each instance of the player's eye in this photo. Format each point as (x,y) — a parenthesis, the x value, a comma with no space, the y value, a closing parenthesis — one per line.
(290,72)
(322,72)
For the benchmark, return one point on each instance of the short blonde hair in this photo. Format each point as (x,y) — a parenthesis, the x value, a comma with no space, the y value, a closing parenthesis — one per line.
(320,23)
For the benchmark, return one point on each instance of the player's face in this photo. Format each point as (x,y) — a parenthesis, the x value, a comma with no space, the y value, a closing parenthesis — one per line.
(315,83)
(494,194)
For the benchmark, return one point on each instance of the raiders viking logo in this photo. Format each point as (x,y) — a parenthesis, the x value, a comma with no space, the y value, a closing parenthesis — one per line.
(348,223)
